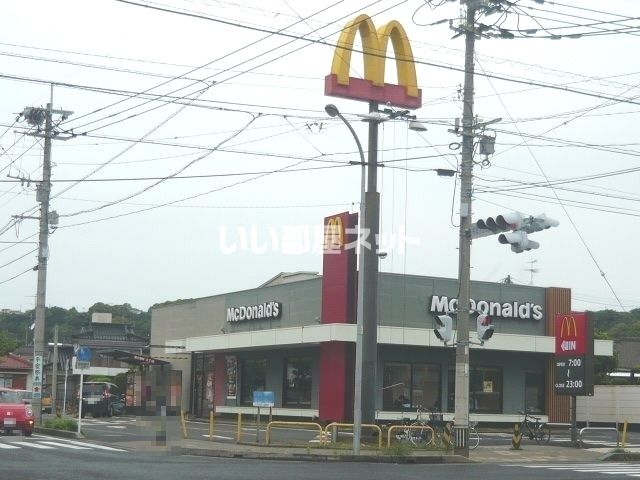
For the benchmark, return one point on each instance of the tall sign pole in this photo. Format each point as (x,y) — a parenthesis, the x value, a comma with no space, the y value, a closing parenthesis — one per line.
(372,89)
(370,277)
(464,261)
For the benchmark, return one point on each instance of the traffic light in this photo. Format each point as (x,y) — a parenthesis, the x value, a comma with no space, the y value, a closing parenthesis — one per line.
(519,241)
(444,332)
(520,226)
(540,222)
(484,327)
(501,223)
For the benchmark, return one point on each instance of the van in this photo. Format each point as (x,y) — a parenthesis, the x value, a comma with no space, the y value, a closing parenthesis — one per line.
(99,398)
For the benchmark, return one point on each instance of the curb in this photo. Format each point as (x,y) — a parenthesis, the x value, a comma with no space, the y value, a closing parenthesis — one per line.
(621,457)
(423,459)
(59,433)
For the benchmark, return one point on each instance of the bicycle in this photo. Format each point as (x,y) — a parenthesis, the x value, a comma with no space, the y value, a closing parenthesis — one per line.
(474,436)
(537,430)
(419,433)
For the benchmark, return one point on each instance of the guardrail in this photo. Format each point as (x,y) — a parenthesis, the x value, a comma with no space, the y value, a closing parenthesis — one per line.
(286,424)
(409,427)
(610,429)
(350,425)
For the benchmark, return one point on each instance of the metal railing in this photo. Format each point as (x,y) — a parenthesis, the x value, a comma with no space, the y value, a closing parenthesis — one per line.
(609,429)
(350,425)
(286,424)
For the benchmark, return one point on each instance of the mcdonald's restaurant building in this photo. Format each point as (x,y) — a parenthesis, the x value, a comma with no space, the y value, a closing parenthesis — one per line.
(295,336)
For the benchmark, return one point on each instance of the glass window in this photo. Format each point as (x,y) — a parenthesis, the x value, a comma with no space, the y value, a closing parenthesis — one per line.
(297,382)
(485,389)
(411,386)
(534,391)
(253,378)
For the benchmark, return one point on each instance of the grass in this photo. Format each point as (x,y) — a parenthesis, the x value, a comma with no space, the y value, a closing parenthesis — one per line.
(61,424)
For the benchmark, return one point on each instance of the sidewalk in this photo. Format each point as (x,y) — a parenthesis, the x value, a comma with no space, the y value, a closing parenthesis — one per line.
(202,446)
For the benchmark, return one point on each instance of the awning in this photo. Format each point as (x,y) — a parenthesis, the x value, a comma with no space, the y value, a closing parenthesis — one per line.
(133,358)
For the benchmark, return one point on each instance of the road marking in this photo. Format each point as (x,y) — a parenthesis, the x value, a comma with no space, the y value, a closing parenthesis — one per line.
(8,447)
(65,445)
(626,469)
(32,445)
(84,444)
(219,436)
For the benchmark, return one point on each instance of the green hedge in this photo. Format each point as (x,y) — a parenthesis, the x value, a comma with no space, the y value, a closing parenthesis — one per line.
(62,424)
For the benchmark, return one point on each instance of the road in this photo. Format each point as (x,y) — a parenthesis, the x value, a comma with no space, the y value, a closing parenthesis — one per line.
(84,461)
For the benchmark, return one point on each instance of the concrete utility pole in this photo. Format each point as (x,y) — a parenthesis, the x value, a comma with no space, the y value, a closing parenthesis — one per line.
(44,190)
(464,262)
(43,252)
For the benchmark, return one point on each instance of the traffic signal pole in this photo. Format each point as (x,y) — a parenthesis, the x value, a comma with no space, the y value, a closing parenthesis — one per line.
(464,261)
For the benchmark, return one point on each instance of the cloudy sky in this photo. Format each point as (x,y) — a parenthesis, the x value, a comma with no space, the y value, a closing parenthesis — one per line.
(199,158)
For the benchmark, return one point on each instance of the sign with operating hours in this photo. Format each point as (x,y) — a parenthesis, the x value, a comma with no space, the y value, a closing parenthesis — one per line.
(571,376)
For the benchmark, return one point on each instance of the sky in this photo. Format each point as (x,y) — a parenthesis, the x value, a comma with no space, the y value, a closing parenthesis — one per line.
(231,96)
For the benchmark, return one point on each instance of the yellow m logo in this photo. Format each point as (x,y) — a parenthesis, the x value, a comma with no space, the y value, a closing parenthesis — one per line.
(570,324)
(334,234)
(374,46)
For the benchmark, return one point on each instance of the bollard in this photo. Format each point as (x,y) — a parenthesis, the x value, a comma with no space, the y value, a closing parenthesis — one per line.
(239,435)
(211,425)
(447,435)
(183,424)
(516,439)
(624,434)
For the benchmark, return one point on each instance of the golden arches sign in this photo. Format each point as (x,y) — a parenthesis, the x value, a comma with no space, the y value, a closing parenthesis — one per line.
(570,323)
(374,47)
(334,234)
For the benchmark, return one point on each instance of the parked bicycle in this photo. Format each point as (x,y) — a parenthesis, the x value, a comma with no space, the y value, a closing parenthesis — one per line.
(533,428)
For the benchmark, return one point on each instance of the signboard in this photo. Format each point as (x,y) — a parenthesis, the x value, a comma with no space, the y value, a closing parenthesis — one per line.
(83,354)
(570,376)
(37,377)
(263,399)
(574,354)
(80,365)
(373,88)
(572,334)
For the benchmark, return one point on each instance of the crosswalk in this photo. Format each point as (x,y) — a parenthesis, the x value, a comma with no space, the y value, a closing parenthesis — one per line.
(44,442)
(607,468)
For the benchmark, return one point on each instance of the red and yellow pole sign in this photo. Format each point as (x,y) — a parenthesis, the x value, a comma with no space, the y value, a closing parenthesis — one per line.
(374,45)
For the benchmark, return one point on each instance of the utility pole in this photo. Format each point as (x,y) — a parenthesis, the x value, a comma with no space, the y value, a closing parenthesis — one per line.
(34,117)
(44,189)
(464,261)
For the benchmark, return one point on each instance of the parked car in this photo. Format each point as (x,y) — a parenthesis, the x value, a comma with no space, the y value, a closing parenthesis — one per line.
(15,412)
(99,398)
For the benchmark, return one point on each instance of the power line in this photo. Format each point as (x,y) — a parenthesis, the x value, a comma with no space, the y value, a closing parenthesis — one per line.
(19,275)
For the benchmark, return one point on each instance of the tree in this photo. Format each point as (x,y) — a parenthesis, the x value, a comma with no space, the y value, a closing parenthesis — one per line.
(7,344)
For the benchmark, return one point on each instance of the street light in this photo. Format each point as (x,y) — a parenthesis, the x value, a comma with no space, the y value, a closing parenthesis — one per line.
(333,111)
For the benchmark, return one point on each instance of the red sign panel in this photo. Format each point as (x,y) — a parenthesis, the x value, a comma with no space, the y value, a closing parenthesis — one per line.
(571,334)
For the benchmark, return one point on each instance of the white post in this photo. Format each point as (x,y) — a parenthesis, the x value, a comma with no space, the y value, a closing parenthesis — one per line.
(66,374)
(80,402)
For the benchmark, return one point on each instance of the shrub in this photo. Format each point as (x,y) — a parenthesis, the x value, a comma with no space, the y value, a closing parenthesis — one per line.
(62,424)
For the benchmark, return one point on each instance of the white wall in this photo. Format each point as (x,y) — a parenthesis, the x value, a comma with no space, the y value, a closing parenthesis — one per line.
(611,404)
